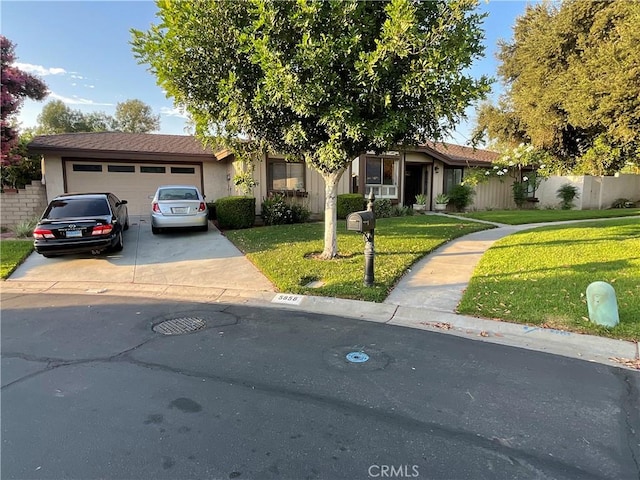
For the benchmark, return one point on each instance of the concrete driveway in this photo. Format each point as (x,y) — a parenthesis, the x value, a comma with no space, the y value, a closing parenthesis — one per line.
(177,258)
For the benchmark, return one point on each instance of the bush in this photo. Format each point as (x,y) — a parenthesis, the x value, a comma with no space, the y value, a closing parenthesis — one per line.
(383,208)
(348,203)
(277,211)
(623,203)
(401,211)
(519,193)
(567,193)
(24,229)
(236,212)
(461,196)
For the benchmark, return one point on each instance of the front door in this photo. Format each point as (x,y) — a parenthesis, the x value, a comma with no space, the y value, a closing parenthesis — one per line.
(414,182)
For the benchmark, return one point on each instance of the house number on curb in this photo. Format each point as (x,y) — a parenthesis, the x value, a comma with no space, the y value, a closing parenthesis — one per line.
(288,299)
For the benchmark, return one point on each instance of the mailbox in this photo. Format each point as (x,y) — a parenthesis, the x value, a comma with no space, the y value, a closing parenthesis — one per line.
(362,222)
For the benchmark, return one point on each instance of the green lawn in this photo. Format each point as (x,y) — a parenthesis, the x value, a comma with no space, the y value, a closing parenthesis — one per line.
(285,253)
(12,254)
(519,217)
(540,276)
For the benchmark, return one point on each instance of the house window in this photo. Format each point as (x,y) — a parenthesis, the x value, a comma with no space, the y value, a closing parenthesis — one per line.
(153,169)
(190,170)
(121,168)
(286,176)
(381,177)
(82,167)
(452,177)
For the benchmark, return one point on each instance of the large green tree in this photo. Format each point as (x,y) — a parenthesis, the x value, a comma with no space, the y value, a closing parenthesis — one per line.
(572,77)
(322,80)
(57,117)
(132,116)
(135,116)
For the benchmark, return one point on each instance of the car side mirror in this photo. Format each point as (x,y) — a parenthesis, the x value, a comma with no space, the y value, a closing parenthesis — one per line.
(122,202)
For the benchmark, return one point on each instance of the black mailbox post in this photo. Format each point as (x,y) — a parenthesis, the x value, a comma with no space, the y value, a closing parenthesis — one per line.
(365,223)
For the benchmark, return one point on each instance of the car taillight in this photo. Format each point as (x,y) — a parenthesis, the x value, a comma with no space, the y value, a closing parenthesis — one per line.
(102,229)
(202,207)
(156,208)
(43,233)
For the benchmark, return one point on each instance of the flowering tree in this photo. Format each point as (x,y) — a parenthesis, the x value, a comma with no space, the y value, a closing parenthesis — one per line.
(16,86)
(526,165)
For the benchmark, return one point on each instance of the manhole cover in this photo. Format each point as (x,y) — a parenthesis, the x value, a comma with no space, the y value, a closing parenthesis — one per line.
(357,357)
(176,326)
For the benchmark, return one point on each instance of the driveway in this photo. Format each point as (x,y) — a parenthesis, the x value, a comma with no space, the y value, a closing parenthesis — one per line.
(180,258)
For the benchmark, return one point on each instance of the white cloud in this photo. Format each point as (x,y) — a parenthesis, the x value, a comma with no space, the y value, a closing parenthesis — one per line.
(77,77)
(174,112)
(40,70)
(75,100)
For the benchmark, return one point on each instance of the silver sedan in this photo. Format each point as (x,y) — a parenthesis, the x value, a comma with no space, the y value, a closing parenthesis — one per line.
(179,206)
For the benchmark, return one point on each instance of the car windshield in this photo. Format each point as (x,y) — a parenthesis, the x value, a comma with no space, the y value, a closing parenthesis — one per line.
(81,207)
(178,194)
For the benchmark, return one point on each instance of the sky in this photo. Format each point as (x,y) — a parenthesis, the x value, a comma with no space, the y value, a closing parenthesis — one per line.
(81,50)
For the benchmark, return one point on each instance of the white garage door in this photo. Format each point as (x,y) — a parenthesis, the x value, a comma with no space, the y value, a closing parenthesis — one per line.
(133,182)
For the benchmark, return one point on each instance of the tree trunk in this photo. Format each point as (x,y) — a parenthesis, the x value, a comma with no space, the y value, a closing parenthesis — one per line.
(331,213)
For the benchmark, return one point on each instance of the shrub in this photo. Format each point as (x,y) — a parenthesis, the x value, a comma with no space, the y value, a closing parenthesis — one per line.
(461,196)
(567,193)
(348,203)
(277,211)
(519,193)
(383,208)
(623,203)
(24,229)
(402,211)
(236,212)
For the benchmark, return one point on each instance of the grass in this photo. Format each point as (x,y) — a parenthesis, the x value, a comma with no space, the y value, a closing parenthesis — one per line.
(539,277)
(12,254)
(285,253)
(520,217)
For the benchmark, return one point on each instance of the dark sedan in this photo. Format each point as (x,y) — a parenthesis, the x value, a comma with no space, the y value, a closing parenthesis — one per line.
(83,222)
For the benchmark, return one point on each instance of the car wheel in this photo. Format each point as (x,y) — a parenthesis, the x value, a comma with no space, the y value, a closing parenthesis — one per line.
(119,243)
(126,224)
(205,227)
(50,255)
(155,230)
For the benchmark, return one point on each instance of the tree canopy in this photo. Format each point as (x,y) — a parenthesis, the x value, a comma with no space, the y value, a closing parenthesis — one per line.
(572,72)
(16,86)
(133,116)
(319,80)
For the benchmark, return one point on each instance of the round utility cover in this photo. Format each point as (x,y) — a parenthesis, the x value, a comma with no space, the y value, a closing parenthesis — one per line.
(357,357)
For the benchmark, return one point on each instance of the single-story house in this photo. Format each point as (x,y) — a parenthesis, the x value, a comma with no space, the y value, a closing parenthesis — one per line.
(133,165)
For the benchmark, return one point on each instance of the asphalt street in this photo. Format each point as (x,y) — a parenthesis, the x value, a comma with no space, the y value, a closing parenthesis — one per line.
(90,390)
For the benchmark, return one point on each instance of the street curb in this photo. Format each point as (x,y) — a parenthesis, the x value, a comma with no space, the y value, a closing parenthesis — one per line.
(590,348)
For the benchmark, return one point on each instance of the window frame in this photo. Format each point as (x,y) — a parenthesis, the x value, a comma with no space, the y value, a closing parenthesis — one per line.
(298,191)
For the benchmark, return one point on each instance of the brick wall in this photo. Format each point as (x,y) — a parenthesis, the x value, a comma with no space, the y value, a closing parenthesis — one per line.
(24,204)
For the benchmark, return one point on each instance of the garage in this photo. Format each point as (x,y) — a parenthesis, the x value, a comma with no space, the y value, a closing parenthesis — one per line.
(134,182)
(130,165)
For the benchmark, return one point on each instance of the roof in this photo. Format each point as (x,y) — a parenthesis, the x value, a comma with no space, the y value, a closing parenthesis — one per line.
(458,155)
(185,147)
(120,145)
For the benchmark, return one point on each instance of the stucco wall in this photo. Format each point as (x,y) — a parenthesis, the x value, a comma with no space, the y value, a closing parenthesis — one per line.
(53,177)
(594,192)
(25,204)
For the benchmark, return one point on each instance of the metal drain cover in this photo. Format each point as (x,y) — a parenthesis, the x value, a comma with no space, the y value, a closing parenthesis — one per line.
(357,357)
(176,326)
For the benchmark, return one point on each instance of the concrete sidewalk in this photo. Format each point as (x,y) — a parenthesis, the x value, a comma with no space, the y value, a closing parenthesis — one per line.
(425,298)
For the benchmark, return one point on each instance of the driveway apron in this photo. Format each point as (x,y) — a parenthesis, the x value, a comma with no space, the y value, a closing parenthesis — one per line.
(176,258)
